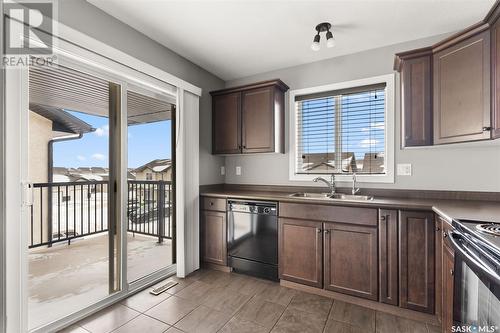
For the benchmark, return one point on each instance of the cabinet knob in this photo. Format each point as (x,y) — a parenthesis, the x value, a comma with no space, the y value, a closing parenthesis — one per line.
(211,203)
(451,272)
(486,128)
(327,231)
(318,230)
(383,218)
(445,234)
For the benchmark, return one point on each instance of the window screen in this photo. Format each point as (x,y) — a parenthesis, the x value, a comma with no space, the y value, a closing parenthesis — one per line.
(341,131)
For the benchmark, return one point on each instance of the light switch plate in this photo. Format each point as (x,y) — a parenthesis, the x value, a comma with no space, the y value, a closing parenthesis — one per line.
(238,171)
(222,170)
(404,169)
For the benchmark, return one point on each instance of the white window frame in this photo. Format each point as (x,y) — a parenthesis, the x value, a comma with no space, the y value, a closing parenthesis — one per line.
(389,132)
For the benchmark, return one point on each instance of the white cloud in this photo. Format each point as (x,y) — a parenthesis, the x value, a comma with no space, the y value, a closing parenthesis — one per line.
(102,131)
(81,158)
(374,126)
(99,157)
(367,143)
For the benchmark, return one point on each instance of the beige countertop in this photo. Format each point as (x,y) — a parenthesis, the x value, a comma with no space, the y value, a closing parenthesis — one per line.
(488,211)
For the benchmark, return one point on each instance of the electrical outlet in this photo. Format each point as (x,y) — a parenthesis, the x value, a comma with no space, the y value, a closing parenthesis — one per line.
(222,170)
(404,169)
(238,171)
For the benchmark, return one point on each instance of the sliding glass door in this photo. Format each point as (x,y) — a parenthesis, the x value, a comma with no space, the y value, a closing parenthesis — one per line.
(101,171)
(73,236)
(150,179)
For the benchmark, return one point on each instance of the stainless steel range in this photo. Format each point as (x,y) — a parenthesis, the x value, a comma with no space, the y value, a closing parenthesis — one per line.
(476,297)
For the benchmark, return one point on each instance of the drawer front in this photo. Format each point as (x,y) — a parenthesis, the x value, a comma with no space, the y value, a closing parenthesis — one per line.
(216,204)
(352,215)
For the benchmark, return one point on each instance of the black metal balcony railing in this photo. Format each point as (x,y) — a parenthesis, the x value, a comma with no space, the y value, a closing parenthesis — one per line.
(65,211)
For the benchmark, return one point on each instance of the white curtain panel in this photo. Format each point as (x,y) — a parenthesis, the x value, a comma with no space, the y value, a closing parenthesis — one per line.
(188,183)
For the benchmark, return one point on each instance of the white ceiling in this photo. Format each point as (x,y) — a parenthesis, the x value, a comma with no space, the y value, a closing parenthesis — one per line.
(234,39)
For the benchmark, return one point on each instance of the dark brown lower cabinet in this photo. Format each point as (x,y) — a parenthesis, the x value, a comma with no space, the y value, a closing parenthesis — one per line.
(350,258)
(447,289)
(416,261)
(388,256)
(301,251)
(213,237)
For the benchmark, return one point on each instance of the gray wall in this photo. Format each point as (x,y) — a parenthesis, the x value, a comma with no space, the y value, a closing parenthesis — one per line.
(92,21)
(473,167)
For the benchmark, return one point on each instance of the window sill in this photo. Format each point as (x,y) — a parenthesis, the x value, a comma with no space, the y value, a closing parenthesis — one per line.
(386,178)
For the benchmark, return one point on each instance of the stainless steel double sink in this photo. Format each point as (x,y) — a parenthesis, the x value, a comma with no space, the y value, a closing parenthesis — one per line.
(328,196)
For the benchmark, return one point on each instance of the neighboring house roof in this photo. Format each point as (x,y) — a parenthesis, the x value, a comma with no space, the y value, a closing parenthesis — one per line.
(158,165)
(62,174)
(62,121)
(160,168)
(58,178)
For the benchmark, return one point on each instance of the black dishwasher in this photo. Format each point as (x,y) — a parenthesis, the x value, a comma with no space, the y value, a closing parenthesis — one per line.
(252,238)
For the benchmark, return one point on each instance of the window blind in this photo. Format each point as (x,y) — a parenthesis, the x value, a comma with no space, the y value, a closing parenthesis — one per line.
(341,131)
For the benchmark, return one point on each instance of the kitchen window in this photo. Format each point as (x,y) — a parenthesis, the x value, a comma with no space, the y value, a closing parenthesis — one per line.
(342,129)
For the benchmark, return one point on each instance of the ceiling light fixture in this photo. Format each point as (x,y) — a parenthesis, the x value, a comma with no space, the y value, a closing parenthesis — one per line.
(330,41)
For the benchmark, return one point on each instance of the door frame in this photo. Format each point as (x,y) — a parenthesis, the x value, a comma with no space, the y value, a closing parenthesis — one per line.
(129,69)
(2,186)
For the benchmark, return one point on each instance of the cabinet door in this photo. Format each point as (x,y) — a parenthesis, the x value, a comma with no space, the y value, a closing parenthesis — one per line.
(300,251)
(416,261)
(213,227)
(439,265)
(388,256)
(495,72)
(447,283)
(351,259)
(226,121)
(462,91)
(416,102)
(258,120)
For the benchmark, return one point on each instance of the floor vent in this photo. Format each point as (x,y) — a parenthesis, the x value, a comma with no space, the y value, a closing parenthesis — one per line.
(160,289)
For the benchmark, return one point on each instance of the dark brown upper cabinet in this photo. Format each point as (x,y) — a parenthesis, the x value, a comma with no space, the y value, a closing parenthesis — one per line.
(495,78)
(249,119)
(226,120)
(450,89)
(416,261)
(416,101)
(462,109)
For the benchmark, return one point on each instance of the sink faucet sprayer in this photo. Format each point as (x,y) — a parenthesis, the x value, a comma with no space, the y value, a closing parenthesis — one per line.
(354,188)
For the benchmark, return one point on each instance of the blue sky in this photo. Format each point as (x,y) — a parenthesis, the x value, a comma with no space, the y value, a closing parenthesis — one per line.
(145,143)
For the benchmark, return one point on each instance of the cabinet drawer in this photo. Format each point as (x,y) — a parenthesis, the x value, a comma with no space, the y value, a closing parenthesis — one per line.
(352,215)
(210,203)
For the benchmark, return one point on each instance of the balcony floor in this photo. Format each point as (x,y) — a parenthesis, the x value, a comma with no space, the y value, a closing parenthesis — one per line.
(64,279)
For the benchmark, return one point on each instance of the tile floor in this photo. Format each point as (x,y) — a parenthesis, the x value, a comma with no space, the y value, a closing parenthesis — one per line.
(212,301)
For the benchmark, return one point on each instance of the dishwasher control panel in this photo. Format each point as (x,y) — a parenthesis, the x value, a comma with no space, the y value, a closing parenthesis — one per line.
(263,208)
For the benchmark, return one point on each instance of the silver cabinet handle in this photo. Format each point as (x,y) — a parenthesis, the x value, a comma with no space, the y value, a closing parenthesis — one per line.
(319,230)
(327,231)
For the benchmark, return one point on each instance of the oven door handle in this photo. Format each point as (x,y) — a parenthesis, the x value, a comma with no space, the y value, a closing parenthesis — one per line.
(471,259)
